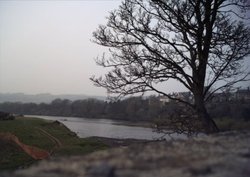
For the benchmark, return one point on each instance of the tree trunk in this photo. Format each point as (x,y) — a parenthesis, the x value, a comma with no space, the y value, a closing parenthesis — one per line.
(207,122)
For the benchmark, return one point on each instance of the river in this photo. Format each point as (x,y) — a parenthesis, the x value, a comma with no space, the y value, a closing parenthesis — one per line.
(85,127)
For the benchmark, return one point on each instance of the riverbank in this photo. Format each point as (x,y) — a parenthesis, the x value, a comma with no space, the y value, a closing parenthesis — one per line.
(146,124)
(24,140)
(223,123)
(221,155)
(85,127)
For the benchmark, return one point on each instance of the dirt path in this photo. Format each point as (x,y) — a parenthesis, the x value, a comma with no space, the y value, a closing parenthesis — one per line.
(35,152)
(52,138)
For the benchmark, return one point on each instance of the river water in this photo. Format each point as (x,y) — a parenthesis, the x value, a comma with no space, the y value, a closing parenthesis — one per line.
(85,127)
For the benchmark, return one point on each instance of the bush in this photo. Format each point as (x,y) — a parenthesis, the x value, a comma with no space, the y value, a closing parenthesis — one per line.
(6,116)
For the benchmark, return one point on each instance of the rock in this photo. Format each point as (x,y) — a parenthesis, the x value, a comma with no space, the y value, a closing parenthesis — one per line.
(221,155)
(101,170)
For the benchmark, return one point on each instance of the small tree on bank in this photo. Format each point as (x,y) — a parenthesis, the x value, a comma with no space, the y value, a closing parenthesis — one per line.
(199,43)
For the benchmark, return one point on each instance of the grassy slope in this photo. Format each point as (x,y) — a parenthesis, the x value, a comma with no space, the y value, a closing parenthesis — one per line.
(27,130)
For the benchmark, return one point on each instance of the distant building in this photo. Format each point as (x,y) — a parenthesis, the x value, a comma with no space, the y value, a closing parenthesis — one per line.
(164,99)
(242,94)
(185,96)
(222,97)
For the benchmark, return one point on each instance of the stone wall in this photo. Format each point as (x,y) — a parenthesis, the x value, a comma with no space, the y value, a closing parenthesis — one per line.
(222,155)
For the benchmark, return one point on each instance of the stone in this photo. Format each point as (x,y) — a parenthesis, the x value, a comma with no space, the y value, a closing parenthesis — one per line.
(220,155)
(101,170)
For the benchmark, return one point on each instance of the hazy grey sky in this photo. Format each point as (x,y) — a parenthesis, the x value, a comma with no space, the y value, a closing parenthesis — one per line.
(45,46)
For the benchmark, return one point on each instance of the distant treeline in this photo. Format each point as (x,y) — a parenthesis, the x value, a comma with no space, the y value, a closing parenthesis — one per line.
(132,109)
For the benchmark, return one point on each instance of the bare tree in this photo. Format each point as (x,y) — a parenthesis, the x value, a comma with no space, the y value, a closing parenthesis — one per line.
(199,43)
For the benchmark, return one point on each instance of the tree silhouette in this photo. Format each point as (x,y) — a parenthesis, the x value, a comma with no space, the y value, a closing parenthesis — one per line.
(199,43)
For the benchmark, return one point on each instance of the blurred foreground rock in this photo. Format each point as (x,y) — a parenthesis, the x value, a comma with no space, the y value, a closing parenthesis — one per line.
(222,155)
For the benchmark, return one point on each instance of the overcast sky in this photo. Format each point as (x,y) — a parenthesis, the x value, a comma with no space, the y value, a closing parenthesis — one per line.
(45,46)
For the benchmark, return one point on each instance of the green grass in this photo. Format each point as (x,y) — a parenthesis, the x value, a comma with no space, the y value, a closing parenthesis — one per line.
(28,131)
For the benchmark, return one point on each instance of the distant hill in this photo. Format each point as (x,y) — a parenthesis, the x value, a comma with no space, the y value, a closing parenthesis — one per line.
(42,98)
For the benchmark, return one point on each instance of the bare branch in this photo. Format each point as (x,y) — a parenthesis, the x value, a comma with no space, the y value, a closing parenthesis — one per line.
(153,41)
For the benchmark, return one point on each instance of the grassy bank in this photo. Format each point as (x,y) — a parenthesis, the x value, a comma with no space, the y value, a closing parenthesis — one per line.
(31,132)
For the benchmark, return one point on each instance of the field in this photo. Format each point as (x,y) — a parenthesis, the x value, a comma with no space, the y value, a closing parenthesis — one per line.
(51,136)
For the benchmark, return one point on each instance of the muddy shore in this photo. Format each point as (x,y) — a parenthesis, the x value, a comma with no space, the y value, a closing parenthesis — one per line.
(114,143)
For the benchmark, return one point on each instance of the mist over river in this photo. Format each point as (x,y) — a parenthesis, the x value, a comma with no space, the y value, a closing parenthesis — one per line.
(85,127)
